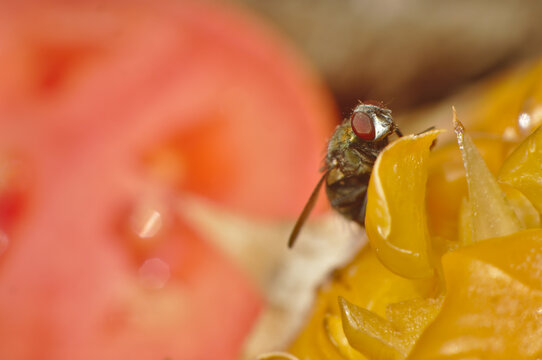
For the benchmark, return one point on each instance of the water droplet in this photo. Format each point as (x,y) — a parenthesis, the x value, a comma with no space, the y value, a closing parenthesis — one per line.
(154,273)
(4,242)
(146,221)
(531,117)
(524,121)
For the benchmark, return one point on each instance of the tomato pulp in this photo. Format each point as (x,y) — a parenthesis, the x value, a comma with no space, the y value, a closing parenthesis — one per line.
(109,113)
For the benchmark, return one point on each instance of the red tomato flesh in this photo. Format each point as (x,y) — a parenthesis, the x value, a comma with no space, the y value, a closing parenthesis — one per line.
(109,107)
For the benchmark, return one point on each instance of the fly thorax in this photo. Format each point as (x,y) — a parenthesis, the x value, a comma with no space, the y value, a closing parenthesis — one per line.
(350,162)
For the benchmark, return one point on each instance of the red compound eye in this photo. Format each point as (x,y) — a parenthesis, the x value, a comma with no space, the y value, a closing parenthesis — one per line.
(363,126)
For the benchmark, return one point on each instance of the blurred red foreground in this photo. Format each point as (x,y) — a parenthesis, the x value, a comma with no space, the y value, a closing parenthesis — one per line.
(110,111)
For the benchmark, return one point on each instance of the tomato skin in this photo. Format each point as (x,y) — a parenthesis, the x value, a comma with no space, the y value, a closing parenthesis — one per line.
(110,106)
(131,60)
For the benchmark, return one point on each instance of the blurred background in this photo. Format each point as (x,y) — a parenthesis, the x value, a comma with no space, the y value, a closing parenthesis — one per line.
(154,156)
(407,53)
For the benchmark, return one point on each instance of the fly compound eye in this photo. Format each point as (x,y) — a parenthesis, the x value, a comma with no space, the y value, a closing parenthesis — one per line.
(362,125)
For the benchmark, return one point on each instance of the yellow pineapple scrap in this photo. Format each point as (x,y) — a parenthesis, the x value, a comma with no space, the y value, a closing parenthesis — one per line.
(454,270)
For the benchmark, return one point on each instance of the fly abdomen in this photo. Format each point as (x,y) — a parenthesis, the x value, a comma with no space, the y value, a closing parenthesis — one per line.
(347,196)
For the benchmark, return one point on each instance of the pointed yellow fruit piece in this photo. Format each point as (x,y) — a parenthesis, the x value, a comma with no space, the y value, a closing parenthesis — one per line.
(371,334)
(447,185)
(491,214)
(368,284)
(465,223)
(334,328)
(396,220)
(523,169)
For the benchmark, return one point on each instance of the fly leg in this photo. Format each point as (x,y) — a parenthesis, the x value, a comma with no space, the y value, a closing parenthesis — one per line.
(426,130)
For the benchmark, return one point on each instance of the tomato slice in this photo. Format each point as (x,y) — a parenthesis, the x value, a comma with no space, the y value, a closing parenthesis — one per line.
(114,111)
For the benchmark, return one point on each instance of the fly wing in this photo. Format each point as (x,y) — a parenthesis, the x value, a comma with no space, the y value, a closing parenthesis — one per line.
(306,211)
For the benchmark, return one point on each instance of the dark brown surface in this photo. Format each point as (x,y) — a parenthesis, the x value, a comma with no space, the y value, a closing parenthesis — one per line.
(406,52)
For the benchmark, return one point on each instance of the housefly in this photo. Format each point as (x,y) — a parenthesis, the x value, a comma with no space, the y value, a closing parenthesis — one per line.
(351,154)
